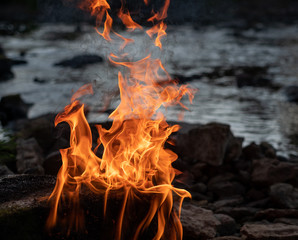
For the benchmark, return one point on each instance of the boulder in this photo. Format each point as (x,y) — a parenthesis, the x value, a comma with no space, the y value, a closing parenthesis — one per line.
(5,67)
(80,61)
(4,170)
(29,157)
(271,214)
(211,143)
(284,195)
(227,225)
(278,231)
(13,107)
(198,223)
(291,93)
(269,171)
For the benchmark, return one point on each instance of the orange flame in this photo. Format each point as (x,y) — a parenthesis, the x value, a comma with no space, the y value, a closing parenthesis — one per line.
(134,158)
(127,20)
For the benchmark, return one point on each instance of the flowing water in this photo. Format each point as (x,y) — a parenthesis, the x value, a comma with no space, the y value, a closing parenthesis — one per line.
(258,114)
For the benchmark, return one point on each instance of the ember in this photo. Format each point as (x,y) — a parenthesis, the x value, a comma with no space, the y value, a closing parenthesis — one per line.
(134,162)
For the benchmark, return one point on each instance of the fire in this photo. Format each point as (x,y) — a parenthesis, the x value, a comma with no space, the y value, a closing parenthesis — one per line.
(134,160)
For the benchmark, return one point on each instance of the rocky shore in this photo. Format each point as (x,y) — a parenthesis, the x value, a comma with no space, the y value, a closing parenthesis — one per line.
(238,192)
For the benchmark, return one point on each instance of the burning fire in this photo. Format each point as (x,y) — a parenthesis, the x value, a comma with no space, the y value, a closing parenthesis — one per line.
(134,160)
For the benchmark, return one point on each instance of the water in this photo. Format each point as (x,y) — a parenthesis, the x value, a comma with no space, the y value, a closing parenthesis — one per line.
(258,114)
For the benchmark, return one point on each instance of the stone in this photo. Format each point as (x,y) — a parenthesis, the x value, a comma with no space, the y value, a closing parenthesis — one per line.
(4,170)
(229,202)
(227,189)
(270,214)
(227,225)
(251,152)
(284,195)
(52,163)
(291,93)
(276,231)
(240,214)
(211,143)
(80,61)
(268,150)
(198,223)
(5,67)
(269,171)
(12,107)
(29,157)
(227,238)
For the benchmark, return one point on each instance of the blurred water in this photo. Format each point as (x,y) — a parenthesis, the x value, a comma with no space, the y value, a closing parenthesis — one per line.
(257,114)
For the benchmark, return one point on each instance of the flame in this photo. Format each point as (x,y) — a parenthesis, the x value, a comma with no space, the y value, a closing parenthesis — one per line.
(127,20)
(134,160)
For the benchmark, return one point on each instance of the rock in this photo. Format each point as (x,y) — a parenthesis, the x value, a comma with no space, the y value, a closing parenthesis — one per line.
(5,67)
(227,225)
(268,150)
(240,214)
(290,221)
(49,138)
(271,214)
(230,202)
(29,157)
(276,231)
(245,80)
(228,189)
(269,171)
(13,107)
(80,61)
(198,223)
(4,170)
(284,195)
(251,152)
(211,143)
(227,238)
(291,93)
(52,163)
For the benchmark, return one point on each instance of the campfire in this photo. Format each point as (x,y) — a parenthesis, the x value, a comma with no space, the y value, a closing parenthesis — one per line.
(135,166)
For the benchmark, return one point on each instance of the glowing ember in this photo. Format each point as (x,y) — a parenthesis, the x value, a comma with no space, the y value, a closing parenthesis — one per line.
(134,160)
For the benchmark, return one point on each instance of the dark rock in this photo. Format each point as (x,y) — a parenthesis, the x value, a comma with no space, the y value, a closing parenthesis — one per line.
(230,202)
(227,238)
(284,195)
(276,231)
(198,187)
(291,93)
(5,67)
(271,214)
(52,163)
(269,171)
(251,152)
(245,80)
(228,189)
(198,223)
(49,138)
(268,150)
(80,61)
(39,80)
(227,225)
(18,62)
(4,170)
(290,221)
(211,143)
(240,214)
(13,107)
(29,157)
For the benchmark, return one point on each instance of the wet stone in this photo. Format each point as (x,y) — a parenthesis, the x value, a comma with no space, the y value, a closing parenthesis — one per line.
(80,61)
